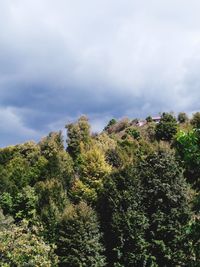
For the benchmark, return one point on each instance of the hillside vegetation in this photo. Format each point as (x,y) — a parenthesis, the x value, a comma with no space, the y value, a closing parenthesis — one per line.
(128,196)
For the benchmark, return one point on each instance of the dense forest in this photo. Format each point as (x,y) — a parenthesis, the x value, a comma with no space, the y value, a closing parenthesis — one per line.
(128,196)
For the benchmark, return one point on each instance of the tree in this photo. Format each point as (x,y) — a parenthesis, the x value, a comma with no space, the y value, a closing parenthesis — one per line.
(123,220)
(5,220)
(133,132)
(193,232)
(93,169)
(24,206)
(52,199)
(195,121)
(149,134)
(115,158)
(59,163)
(78,135)
(6,154)
(166,128)
(110,123)
(29,150)
(17,172)
(187,146)
(79,238)
(118,126)
(104,142)
(21,166)
(166,205)
(7,203)
(23,246)
(149,119)
(182,117)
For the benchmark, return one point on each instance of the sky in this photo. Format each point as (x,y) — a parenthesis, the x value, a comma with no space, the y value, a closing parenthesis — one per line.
(60,59)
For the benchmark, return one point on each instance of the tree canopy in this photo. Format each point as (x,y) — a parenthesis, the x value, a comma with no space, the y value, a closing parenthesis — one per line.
(128,196)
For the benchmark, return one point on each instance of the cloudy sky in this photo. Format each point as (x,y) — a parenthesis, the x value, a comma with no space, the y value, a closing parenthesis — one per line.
(104,58)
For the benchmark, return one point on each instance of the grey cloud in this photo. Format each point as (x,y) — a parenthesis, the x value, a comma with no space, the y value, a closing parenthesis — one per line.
(60,59)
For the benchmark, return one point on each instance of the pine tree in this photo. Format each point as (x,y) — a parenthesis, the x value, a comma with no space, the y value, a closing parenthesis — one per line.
(123,221)
(166,206)
(79,238)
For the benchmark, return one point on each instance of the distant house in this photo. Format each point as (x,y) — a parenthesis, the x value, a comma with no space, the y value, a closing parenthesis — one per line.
(156,119)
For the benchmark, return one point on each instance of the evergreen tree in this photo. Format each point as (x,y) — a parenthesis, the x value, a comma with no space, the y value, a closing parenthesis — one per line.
(123,221)
(52,199)
(79,238)
(165,203)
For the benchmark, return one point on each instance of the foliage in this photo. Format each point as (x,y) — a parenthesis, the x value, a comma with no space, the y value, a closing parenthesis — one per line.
(24,206)
(195,121)
(193,232)
(114,157)
(59,163)
(94,166)
(166,205)
(149,132)
(23,167)
(6,202)
(128,196)
(17,172)
(123,220)
(79,238)
(6,154)
(52,200)
(166,128)
(93,170)
(78,135)
(149,119)
(5,221)
(105,142)
(110,123)
(22,246)
(118,126)
(182,117)
(133,133)
(188,149)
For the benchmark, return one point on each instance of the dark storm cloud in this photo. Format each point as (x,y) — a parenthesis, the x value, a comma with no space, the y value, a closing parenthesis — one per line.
(61,59)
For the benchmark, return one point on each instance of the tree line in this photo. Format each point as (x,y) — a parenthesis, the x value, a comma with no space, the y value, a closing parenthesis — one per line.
(128,196)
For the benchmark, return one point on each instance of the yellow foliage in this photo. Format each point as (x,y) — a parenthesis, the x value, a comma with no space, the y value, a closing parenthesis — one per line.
(94,166)
(83,191)
(104,142)
(93,170)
